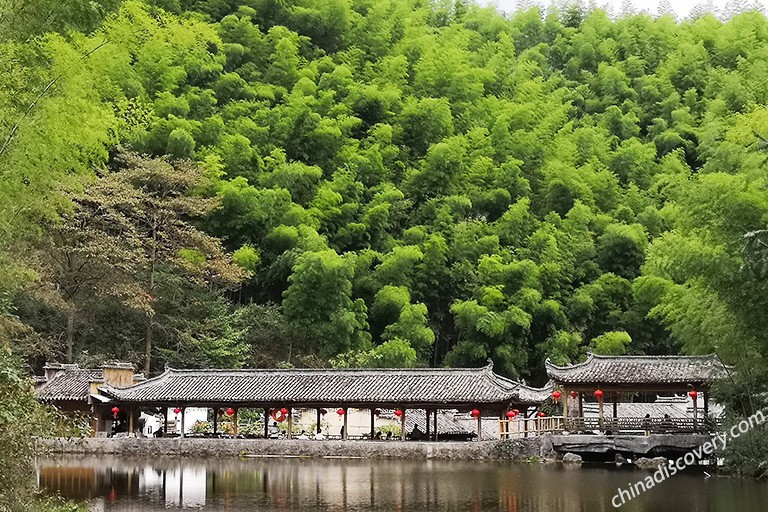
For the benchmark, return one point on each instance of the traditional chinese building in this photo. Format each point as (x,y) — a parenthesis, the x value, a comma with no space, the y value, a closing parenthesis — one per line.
(623,378)
(72,389)
(280,391)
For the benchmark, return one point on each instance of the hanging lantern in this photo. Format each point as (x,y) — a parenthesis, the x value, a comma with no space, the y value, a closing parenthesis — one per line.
(398,412)
(285,411)
(377,412)
(177,410)
(574,394)
(541,414)
(340,411)
(230,411)
(475,413)
(693,394)
(556,395)
(115,411)
(323,412)
(511,415)
(599,394)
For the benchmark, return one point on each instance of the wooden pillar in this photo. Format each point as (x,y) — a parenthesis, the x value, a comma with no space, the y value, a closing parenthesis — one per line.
(130,422)
(402,425)
(373,423)
(479,428)
(600,409)
(165,422)
(581,404)
(318,422)
(426,415)
(706,403)
(234,422)
(615,405)
(346,425)
(266,423)
(565,404)
(215,420)
(435,423)
(183,412)
(695,413)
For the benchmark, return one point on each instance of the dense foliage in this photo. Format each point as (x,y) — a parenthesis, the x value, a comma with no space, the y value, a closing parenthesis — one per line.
(399,182)
(22,418)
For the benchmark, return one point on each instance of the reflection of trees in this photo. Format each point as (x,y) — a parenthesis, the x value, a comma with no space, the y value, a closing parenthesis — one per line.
(393,485)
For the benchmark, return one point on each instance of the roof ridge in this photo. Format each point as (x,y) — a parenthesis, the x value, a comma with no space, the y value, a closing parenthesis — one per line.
(651,356)
(324,370)
(590,357)
(605,357)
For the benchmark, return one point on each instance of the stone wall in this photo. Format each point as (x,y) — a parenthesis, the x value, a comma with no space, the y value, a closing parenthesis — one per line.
(294,448)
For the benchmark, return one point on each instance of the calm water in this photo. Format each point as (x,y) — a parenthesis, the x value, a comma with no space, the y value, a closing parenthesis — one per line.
(128,484)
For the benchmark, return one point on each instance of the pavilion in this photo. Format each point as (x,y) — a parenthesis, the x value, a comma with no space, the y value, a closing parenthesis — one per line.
(72,389)
(611,377)
(284,390)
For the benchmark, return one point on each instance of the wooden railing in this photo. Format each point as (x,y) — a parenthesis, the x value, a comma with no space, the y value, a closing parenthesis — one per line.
(641,425)
(524,427)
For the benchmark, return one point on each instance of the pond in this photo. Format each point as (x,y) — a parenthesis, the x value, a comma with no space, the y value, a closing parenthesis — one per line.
(124,484)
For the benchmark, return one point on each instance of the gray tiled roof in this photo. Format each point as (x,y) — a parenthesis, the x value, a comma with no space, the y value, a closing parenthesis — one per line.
(70,383)
(326,386)
(628,370)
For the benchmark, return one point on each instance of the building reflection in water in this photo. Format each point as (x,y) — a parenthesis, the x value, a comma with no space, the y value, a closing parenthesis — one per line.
(148,485)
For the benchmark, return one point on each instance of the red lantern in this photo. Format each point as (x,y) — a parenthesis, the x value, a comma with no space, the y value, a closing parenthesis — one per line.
(693,394)
(574,394)
(599,394)
(398,412)
(115,411)
(556,395)
(285,411)
(475,413)
(340,411)
(511,415)
(541,414)
(177,410)
(230,411)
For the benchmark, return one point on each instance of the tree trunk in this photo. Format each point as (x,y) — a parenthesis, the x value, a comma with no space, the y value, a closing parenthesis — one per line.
(70,334)
(150,290)
(148,347)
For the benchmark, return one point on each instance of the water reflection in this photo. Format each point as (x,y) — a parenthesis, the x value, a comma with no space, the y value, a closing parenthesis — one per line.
(144,485)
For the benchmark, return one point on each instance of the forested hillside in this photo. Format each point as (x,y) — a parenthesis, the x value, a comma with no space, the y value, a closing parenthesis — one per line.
(379,183)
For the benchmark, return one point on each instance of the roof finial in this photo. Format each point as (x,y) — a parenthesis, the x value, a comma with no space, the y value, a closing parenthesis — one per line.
(490,364)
